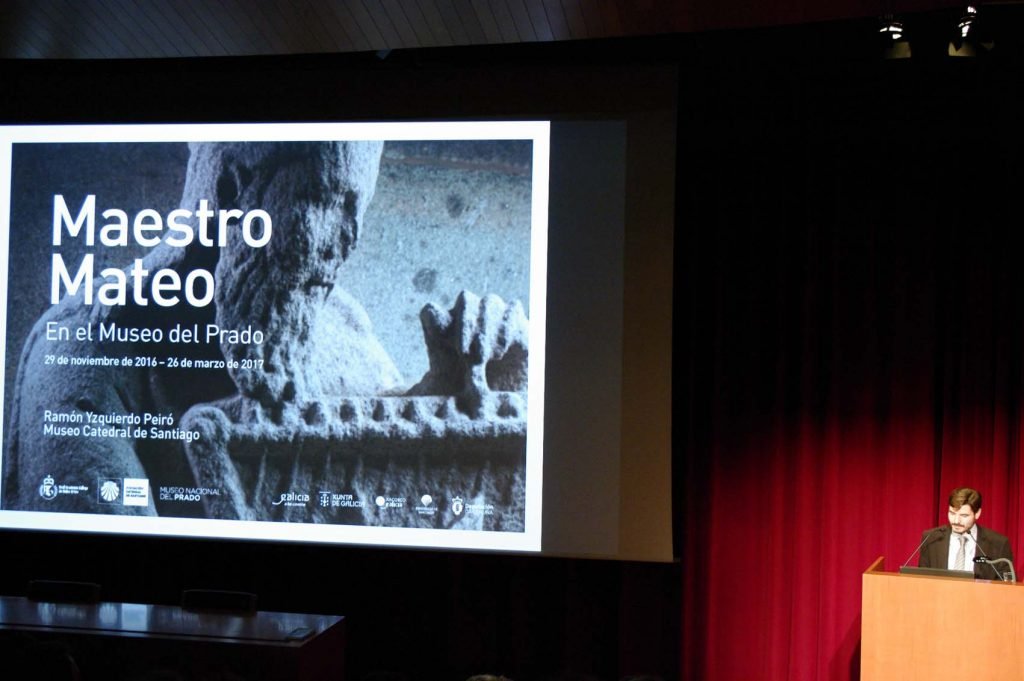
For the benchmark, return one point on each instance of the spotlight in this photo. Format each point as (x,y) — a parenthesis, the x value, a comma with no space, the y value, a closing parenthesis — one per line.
(893,38)
(971,38)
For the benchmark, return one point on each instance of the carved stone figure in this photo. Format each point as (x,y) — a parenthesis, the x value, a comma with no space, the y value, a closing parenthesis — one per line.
(311,424)
(317,193)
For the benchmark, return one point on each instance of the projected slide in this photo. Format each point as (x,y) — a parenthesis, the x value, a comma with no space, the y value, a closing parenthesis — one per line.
(312,332)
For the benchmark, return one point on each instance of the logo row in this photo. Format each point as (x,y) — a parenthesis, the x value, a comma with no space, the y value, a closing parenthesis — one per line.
(136,492)
(124,491)
(426,505)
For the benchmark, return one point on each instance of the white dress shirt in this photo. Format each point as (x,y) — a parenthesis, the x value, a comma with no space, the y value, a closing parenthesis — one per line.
(954,548)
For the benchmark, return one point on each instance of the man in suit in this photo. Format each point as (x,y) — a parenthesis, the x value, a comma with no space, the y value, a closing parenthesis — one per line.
(955,546)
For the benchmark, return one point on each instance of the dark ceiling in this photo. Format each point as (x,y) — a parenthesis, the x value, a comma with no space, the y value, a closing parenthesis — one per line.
(104,29)
(133,29)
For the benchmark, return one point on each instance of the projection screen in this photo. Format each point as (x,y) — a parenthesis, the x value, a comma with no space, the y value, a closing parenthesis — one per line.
(323,332)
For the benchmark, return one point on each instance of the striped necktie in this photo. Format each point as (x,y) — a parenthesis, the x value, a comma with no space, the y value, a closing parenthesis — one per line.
(961,555)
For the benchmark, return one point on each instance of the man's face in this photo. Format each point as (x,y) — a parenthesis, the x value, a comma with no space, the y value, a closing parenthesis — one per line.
(962,519)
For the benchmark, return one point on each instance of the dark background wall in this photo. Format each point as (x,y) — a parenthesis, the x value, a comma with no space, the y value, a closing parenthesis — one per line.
(427,614)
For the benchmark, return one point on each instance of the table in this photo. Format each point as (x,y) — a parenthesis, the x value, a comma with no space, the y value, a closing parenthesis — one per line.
(137,638)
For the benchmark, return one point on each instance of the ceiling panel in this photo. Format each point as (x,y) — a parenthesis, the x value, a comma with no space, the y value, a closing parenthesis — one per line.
(524,27)
(116,29)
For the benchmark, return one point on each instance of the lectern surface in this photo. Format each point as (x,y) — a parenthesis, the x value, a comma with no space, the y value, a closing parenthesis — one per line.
(936,572)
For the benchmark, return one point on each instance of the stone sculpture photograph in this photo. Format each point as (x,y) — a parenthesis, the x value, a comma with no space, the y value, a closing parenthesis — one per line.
(389,386)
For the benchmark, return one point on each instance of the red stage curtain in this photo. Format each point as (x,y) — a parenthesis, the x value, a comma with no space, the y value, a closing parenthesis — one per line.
(850,349)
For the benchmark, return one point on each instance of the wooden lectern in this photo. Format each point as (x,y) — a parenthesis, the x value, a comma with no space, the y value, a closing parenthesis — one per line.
(917,627)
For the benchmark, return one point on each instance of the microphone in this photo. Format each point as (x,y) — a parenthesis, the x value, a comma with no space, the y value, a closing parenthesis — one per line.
(920,546)
(984,559)
(1010,576)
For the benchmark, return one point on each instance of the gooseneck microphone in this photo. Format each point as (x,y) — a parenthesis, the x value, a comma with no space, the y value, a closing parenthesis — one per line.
(920,546)
(1009,576)
(991,562)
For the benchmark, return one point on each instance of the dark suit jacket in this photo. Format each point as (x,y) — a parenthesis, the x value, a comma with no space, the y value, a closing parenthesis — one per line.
(935,552)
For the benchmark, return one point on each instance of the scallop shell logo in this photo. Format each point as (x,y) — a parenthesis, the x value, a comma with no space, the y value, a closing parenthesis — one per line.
(109,491)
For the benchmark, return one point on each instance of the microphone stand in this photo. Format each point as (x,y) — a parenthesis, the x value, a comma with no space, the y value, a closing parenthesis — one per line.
(919,546)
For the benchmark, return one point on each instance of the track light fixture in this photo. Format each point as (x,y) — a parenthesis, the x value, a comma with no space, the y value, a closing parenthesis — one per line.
(971,37)
(894,39)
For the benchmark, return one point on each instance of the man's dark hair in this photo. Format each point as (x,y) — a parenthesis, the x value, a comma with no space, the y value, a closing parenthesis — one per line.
(965,495)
